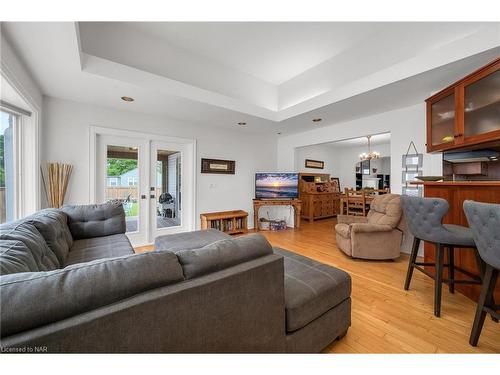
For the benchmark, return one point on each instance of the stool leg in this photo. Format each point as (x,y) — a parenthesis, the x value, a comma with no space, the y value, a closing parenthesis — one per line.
(493,304)
(411,264)
(489,282)
(451,269)
(480,264)
(438,278)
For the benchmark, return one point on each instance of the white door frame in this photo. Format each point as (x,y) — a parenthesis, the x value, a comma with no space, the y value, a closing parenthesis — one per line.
(189,213)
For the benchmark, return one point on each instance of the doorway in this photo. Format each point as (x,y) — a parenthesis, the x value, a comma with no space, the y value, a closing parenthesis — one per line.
(153,179)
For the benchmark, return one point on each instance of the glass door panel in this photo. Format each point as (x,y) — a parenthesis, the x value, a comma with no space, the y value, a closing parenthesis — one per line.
(482,106)
(172,171)
(443,121)
(122,175)
(122,182)
(168,188)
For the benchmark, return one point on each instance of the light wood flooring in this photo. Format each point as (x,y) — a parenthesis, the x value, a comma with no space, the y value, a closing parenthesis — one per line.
(385,317)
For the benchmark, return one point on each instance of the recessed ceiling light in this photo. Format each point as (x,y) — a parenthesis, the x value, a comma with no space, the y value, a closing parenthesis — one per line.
(242,123)
(127,99)
(317,119)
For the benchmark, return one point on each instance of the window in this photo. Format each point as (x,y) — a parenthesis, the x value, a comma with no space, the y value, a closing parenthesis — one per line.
(132,181)
(20,186)
(113,182)
(7,166)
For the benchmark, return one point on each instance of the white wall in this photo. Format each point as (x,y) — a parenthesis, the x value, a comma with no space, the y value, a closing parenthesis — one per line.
(17,75)
(324,153)
(66,139)
(405,125)
(349,157)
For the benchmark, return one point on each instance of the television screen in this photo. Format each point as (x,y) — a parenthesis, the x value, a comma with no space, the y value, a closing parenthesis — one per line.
(276,185)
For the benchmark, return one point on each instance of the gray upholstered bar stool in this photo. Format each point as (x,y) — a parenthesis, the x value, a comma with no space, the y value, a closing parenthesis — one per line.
(424,218)
(484,221)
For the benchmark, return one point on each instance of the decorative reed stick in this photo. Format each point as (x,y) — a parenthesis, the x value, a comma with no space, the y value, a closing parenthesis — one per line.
(58,179)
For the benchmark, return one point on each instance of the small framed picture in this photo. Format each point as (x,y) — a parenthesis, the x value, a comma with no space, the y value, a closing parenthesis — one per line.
(317,164)
(336,183)
(218,166)
(412,160)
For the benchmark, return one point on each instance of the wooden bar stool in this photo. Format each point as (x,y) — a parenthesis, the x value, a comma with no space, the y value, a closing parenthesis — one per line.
(484,221)
(424,218)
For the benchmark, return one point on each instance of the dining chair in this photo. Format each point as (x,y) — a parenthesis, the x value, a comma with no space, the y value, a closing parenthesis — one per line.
(484,221)
(356,202)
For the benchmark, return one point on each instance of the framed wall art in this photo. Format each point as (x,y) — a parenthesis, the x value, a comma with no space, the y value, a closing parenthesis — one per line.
(218,166)
(317,164)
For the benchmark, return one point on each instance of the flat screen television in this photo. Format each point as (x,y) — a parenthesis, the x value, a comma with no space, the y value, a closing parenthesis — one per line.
(276,185)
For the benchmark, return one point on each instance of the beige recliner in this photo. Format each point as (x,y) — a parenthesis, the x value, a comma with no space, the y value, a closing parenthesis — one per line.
(376,236)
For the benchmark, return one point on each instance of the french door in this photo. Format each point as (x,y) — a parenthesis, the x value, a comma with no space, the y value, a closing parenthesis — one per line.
(169,176)
(154,180)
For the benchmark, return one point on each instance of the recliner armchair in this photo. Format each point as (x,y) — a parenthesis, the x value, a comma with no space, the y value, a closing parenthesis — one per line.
(376,236)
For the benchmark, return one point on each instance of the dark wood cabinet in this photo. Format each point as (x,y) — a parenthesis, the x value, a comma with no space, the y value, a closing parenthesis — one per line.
(467,112)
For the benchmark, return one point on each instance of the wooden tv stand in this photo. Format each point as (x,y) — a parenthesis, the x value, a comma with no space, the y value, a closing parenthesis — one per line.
(295,203)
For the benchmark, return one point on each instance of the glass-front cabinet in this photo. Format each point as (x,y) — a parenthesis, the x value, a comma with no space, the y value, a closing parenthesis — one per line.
(443,120)
(482,106)
(467,112)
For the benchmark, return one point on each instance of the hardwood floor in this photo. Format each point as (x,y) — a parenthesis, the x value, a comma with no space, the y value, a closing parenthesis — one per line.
(385,317)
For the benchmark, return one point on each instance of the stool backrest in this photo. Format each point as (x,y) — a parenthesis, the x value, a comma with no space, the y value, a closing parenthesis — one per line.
(484,221)
(424,216)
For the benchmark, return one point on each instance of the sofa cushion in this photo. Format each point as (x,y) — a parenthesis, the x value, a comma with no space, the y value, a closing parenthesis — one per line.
(311,289)
(27,233)
(90,249)
(223,254)
(189,240)
(34,299)
(95,220)
(52,225)
(16,257)
(385,210)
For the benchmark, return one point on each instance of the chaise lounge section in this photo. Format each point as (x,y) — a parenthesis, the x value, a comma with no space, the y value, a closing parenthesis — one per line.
(71,282)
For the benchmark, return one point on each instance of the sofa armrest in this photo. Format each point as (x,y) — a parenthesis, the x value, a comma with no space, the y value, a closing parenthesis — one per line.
(369,228)
(349,219)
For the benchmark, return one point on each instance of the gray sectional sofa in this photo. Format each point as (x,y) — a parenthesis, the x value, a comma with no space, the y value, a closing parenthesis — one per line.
(71,282)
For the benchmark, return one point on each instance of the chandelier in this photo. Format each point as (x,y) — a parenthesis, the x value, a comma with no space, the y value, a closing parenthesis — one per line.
(370,154)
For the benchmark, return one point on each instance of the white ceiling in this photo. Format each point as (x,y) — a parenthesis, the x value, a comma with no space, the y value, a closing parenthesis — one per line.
(271,51)
(219,74)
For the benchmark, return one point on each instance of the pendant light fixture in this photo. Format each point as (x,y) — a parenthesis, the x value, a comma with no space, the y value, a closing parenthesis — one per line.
(370,155)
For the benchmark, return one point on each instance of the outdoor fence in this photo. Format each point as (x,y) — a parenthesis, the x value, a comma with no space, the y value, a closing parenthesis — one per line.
(121,193)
